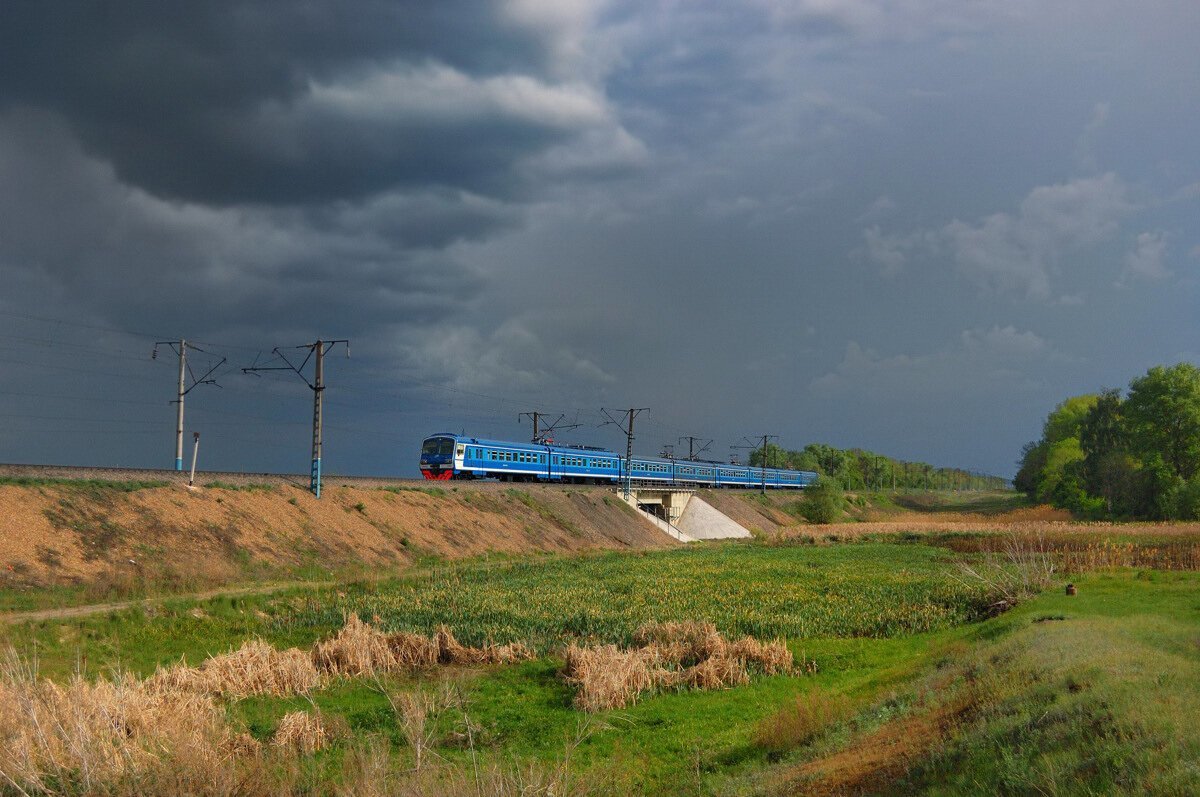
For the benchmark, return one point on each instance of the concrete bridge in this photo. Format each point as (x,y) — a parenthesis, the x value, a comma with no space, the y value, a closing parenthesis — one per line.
(682,514)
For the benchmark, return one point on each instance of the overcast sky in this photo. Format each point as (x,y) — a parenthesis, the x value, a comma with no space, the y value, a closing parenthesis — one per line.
(907,226)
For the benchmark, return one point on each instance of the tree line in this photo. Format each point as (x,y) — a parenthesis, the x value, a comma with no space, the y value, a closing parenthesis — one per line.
(1122,456)
(858,469)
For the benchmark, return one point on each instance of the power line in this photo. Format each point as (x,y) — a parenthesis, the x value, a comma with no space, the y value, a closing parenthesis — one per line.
(629,414)
(763,463)
(184,389)
(318,348)
(543,435)
(118,330)
(694,452)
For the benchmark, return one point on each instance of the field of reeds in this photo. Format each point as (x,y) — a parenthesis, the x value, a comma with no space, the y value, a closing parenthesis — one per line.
(697,670)
(793,592)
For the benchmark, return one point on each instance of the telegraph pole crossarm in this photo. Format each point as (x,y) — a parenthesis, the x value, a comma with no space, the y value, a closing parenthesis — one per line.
(629,414)
(316,350)
(541,434)
(180,347)
(694,452)
(763,463)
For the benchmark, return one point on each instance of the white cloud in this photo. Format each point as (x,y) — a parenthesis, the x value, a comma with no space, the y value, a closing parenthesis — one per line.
(890,252)
(511,358)
(568,27)
(979,363)
(886,20)
(1019,253)
(439,93)
(1146,259)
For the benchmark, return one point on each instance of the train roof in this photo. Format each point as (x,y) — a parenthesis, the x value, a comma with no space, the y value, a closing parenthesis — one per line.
(569,449)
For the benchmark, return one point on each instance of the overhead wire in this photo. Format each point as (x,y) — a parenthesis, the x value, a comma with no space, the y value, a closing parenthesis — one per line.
(466,398)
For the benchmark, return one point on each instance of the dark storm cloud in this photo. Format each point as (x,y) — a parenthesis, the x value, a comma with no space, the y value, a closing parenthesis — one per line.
(213,101)
(68,219)
(913,227)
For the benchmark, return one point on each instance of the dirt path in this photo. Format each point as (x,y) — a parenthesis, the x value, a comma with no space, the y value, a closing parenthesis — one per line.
(12,618)
(64,612)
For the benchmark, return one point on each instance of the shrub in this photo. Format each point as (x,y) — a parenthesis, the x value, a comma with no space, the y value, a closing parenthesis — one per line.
(823,501)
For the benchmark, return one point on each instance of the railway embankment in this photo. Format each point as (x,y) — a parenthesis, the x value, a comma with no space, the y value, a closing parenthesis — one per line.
(131,531)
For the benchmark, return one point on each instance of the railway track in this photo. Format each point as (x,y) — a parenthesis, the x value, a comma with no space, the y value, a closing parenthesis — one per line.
(239,478)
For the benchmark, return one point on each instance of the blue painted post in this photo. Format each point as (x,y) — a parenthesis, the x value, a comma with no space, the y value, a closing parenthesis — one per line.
(318,389)
(179,407)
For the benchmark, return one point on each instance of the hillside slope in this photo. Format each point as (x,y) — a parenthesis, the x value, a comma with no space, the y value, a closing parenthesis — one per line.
(89,532)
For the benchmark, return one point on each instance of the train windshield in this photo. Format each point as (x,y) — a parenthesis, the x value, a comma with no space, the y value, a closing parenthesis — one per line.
(443,446)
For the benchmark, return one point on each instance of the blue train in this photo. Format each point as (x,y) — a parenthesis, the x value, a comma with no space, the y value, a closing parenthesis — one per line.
(450,456)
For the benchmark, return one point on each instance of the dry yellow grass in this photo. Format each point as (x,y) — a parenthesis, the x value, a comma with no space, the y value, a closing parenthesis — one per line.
(800,721)
(302,732)
(671,655)
(254,669)
(717,672)
(357,649)
(769,657)
(413,651)
(111,736)
(608,677)
(683,644)
(450,651)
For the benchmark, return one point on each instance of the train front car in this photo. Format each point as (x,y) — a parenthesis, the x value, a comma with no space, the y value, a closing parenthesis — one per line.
(441,458)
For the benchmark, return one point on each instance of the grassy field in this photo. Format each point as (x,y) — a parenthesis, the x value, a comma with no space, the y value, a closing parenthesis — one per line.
(909,682)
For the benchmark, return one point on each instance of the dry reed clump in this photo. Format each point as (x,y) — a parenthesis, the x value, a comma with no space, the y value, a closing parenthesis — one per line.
(1023,566)
(608,677)
(770,658)
(357,649)
(717,672)
(413,651)
(670,655)
(256,668)
(684,644)
(110,736)
(450,651)
(302,732)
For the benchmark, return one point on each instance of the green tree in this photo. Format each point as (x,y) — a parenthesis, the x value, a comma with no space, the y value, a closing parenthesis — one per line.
(1163,418)
(1033,461)
(1066,420)
(1108,470)
(1059,456)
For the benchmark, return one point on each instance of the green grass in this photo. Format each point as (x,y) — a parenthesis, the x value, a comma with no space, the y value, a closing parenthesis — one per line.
(856,607)
(1103,701)
(90,487)
(796,592)
(250,487)
(767,592)
(437,492)
(1087,694)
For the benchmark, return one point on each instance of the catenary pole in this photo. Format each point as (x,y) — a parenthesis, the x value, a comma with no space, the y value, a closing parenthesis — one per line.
(183,387)
(179,405)
(318,391)
(316,352)
(630,414)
